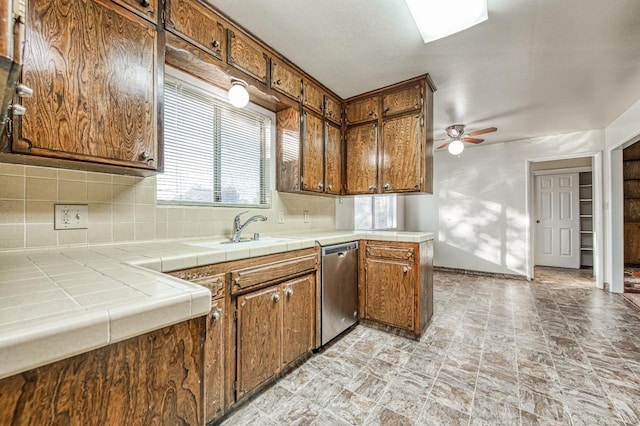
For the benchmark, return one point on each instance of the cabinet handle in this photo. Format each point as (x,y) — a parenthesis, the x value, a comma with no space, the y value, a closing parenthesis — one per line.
(144,3)
(385,111)
(320,185)
(17,109)
(373,114)
(24,91)
(215,44)
(215,316)
(387,186)
(406,269)
(276,297)
(330,114)
(329,187)
(372,188)
(145,156)
(278,82)
(289,292)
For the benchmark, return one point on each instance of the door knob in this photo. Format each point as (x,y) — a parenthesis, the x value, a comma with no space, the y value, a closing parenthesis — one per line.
(538,221)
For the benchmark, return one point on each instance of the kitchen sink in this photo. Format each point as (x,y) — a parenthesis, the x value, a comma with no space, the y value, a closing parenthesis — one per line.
(248,243)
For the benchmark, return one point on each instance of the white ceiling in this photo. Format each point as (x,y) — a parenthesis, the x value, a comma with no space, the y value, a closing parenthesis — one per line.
(535,68)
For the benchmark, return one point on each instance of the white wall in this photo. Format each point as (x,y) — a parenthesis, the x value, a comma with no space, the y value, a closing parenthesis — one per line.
(622,132)
(478,210)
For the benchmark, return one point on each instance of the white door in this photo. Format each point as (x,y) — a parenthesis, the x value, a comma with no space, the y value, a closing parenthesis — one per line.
(557,237)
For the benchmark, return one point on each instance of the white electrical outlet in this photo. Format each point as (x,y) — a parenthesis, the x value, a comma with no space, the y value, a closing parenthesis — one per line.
(71,216)
(305,216)
(281,217)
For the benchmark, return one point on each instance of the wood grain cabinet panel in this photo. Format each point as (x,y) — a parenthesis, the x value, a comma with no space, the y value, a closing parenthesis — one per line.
(312,153)
(259,329)
(361,159)
(401,154)
(264,272)
(403,100)
(148,9)
(214,365)
(333,110)
(390,295)
(196,23)
(286,80)
(313,97)
(288,150)
(94,84)
(362,110)
(247,56)
(298,316)
(333,159)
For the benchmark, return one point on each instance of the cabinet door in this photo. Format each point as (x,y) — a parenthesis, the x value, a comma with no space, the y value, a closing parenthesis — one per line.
(401,154)
(332,109)
(146,8)
(362,110)
(313,97)
(197,24)
(361,159)
(402,100)
(94,84)
(285,80)
(333,159)
(299,318)
(312,154)
(247,56)
(390,293)
(214,362)
(259,334)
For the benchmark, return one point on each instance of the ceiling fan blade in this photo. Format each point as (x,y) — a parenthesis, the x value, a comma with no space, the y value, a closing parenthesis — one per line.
(444,145)
(483,131)
(472,140)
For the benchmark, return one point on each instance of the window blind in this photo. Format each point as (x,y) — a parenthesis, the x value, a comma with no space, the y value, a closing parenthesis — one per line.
(215,154)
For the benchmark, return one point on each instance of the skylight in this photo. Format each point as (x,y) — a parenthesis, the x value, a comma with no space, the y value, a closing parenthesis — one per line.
(440,18)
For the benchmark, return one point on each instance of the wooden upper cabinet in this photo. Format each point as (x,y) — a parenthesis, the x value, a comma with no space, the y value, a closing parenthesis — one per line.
(362,110)
(361,159)
(247,56)
(333,159)
(313,97)
(148,9)
(298,317)
(312,153)
(196,23)
(95,97)
(401,154)
(405,99)
(285,79)
(333,109)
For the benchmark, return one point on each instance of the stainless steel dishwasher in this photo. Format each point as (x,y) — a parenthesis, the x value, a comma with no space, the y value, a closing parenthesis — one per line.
(339,296)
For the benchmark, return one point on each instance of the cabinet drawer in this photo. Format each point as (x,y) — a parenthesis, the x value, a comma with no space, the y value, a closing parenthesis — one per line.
(313,97)
(363,110)
(269,273)
(197,24)
(406,99)
(146,8)
(388,252)
(215,283)
(332,110)
(247,56)
(285,80)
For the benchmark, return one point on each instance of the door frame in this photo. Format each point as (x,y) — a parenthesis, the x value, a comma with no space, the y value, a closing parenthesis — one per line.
(598,229)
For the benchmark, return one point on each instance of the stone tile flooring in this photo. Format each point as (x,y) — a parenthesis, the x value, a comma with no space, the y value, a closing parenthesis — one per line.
(554,351)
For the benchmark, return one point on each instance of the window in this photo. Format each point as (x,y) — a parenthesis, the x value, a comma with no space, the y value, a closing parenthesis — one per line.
(214,154)
(376,212)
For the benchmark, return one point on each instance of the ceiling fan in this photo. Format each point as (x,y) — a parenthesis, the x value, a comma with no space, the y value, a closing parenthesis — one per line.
(457,137)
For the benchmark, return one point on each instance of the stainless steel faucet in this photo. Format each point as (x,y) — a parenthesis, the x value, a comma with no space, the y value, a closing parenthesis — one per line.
(238,228)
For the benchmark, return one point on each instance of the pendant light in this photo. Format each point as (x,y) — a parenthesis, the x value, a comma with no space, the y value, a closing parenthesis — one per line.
(456,147)
(238,95)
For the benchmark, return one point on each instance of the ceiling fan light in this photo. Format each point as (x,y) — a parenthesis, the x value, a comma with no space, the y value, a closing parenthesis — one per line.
(238,95)
(440,18)
(456,147)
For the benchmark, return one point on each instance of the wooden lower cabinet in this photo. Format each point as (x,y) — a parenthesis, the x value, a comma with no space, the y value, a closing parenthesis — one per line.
(396,285)
(298,321)
(214,351)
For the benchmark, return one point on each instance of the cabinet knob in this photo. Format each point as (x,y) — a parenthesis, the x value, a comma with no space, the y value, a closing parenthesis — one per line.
(406,269)
(145,3)
(215,316)
(372,188)
(289,292)
(387,186)
(278,82)
(215,43)
(144,155)
(320,185)
(17,109)
(329,187)
(276,297)
(24,91)
(330,114)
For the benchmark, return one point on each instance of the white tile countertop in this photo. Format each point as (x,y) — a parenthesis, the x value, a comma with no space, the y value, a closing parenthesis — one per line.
(60,302)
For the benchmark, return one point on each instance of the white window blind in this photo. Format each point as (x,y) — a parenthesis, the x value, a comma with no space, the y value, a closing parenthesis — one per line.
(376,212)
(214,154)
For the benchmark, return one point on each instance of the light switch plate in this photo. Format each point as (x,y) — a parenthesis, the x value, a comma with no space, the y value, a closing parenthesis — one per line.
(280,217)
(71,216)
(305,216)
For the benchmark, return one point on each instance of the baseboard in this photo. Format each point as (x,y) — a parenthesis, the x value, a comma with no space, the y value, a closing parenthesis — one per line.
(500,275)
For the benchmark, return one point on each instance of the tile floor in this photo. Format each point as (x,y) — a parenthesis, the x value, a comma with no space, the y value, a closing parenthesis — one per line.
(554,351)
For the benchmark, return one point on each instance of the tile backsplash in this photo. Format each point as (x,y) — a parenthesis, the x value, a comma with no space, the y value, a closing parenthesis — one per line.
(123,208)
